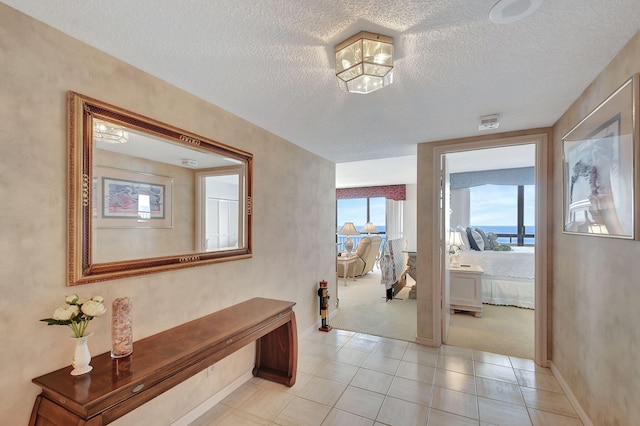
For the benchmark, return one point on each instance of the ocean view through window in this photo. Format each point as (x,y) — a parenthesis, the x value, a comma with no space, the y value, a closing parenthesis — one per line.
(360,211)
(498,209)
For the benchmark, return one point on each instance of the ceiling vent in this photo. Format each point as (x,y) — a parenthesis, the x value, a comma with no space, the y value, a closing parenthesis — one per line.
(489,122)
(187,162)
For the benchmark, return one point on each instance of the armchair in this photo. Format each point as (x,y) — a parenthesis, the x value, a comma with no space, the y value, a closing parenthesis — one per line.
(367,252)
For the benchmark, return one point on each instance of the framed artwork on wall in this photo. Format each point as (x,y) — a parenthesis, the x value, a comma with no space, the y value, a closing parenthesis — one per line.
(599,164)
(128,199)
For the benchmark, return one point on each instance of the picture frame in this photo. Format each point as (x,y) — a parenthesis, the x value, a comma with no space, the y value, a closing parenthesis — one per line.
(130,199)
(600,168)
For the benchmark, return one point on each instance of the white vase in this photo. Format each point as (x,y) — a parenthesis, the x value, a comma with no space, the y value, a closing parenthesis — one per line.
(81,356)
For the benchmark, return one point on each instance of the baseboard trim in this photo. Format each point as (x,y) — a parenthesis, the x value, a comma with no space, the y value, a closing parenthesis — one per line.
(569,393)
(197,412)
(426,342)
(314,328)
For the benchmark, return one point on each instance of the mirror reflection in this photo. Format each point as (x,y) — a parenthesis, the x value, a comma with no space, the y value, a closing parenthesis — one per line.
(159,198)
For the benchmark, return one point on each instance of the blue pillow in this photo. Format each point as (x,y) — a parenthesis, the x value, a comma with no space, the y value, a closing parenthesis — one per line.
(472,240)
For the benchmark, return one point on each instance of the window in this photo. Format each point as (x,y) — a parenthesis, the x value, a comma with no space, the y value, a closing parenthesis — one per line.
(507,210)
(360,211)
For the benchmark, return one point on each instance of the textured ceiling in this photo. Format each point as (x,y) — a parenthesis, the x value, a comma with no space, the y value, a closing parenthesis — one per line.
(271,62)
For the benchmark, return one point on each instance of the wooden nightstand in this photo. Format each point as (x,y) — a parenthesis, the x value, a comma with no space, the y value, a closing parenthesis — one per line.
(466,289)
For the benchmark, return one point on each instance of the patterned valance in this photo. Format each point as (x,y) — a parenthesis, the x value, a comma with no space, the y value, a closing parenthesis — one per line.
(391,192)
(517,176)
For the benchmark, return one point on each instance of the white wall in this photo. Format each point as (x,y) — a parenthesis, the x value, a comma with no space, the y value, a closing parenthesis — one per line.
(293,189)
(410,217)
(460,207)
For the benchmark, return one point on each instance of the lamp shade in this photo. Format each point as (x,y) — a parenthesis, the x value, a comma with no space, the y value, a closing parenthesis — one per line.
(369,228)
(348,229)
(364,62)
(456,239)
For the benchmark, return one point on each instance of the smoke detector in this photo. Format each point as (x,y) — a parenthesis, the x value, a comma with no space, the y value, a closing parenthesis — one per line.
(489,122)
(187,162)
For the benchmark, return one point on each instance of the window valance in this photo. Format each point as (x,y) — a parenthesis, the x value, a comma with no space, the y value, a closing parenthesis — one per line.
(391,192)
(517,176)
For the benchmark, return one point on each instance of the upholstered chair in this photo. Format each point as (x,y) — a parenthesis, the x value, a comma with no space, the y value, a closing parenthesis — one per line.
(367,252)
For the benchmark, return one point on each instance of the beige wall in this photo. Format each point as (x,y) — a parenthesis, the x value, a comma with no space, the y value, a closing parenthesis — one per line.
(596,291)
(293,222)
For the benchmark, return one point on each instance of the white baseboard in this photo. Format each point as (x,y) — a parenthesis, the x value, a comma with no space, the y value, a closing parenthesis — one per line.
(197,412)
(314,328)
(569,393)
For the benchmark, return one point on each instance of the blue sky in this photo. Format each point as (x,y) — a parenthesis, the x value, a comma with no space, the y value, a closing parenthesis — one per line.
(491,205)
(496,205)
(355,210)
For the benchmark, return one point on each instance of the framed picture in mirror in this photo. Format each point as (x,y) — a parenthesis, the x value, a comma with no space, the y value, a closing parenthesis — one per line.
(147,197)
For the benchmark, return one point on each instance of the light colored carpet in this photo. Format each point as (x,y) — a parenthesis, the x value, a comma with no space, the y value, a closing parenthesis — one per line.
(363,309)
(502,329)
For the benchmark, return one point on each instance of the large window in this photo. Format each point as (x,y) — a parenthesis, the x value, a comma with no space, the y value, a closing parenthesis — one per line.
(507,210)
(360,211)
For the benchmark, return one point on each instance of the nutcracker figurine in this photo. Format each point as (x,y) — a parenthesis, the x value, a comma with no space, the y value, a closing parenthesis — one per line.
(323,293)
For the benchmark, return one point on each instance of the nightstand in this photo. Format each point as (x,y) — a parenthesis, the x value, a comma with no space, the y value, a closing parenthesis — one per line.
(465,283)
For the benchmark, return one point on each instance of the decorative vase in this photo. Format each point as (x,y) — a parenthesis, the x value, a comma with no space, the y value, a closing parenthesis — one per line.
(121,327)
(81,356)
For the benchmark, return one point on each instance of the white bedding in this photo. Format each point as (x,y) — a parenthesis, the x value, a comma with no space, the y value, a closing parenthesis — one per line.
(508,277)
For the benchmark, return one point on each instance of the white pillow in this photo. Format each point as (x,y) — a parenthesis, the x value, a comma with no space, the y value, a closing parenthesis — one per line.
(465,238)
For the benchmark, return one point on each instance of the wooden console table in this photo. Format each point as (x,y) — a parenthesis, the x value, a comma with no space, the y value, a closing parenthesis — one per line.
(117,386)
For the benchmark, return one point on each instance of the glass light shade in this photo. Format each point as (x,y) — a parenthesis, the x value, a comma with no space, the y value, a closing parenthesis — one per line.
(364,62)
(110,134)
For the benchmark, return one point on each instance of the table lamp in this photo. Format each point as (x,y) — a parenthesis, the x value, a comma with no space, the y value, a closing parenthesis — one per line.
(369,229)
(455,242)
(348,229)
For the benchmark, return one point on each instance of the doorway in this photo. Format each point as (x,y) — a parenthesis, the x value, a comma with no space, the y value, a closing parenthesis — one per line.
(432,255)
(489,199)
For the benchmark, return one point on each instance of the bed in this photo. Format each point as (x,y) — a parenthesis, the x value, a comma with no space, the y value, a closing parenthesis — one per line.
(508,277)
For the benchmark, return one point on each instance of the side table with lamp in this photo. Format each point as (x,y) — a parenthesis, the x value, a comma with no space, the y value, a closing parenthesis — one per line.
(348,260)
(348,229)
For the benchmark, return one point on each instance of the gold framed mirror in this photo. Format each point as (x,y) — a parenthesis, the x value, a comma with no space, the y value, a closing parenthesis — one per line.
(146,197)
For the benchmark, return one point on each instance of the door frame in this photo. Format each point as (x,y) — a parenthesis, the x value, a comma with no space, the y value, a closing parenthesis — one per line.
(538,137)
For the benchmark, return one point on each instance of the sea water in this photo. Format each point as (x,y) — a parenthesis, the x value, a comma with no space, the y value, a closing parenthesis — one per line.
(507,230)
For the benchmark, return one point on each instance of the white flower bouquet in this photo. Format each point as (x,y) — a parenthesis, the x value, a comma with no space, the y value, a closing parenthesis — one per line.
(77,313)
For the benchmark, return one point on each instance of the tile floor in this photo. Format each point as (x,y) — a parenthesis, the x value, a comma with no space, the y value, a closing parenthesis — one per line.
(354,379)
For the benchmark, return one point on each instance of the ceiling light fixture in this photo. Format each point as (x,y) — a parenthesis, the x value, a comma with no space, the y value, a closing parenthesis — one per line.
(507,11)
(364,62)
(110,134)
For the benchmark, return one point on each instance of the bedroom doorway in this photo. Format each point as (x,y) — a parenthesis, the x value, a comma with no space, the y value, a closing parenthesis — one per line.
(440,273)
(489,195)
